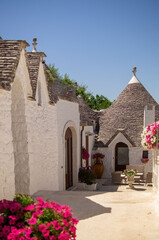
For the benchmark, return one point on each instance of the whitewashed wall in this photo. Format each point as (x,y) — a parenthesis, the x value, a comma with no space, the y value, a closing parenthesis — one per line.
(155,156)
(7,186)
(88,130)
(149,116)
(21,89)
(68,116)
(42,147)
(42,139)
(135,155)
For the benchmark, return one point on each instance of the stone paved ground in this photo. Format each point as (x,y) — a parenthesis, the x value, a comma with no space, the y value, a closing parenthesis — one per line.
(112,212)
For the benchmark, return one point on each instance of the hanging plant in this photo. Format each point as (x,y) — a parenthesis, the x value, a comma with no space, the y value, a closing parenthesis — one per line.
(149,136)
(144,160)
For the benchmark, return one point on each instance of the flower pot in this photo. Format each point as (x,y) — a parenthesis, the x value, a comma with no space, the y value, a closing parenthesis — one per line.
(84,186)
(130,180)
(144,160)
(98,169)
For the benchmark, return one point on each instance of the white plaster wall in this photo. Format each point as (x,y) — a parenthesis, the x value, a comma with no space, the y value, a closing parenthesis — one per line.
(7,186)
(21,89)
(135,155)
(155,171)
(88,130)
(42,139)
(149,116)
(68,116)
(42,147)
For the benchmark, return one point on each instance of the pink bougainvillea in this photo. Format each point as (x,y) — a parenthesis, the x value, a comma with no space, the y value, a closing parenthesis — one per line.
(85,154)
(149,136)
(36,220)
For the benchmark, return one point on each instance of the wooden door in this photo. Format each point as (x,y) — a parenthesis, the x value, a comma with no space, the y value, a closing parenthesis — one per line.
(121,156)
(68,158)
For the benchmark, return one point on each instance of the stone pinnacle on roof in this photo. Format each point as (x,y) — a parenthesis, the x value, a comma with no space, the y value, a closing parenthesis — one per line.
(134,78)
(34,44)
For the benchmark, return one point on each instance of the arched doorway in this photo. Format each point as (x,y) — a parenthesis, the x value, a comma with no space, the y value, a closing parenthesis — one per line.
(121,156)
(68,159)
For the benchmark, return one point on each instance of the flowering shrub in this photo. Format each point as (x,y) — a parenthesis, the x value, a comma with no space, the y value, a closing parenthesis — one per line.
(85,154)
(149,136)
(130,172)
(98,155)
(24,218)
(87,175)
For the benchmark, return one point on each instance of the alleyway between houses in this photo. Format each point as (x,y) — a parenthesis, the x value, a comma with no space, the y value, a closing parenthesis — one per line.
(112,213)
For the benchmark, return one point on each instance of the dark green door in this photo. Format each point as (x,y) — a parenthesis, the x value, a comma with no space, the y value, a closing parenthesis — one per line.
(121,156)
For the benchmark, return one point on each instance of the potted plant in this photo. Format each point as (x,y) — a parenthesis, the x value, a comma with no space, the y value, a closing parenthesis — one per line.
(85,157)
(98,164)
(130,173)
(87,177)
(150,136)
(144,160)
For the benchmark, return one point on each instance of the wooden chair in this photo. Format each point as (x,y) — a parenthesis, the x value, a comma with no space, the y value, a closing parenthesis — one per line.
(148,178)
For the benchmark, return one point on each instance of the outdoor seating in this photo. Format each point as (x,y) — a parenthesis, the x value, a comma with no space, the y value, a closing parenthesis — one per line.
(148,178)
(116,177)
(139,168)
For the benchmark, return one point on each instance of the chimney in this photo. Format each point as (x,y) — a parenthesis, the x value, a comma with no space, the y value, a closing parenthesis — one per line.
(149,115)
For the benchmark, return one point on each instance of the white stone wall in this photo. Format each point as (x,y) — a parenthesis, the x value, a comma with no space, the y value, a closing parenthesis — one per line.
(7,186)
(42,147)
(135,155)
(42,139)
(68,116)
(155,156)
(21,89)
(88,130)
(149,116)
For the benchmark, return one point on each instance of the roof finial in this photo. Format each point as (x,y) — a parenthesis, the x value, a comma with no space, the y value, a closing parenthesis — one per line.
(134,71)
(34,44)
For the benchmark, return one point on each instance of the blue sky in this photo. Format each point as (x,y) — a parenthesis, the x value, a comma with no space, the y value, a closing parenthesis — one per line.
(97,42)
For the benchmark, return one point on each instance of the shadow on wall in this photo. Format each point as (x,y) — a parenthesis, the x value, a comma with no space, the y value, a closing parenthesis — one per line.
(82,206)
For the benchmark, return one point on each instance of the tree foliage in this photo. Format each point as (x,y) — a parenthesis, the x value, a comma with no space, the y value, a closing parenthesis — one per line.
(97,102)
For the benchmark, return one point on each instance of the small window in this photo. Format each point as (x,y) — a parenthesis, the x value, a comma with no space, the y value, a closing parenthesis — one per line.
(145,154)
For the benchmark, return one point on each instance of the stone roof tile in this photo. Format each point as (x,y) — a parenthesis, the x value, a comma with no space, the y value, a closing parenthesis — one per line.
(87,115)
(9,58)
(126,113)
(58,90)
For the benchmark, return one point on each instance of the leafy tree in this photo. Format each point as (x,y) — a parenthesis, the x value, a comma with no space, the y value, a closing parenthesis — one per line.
(97,102)
(67,80)
(55,71)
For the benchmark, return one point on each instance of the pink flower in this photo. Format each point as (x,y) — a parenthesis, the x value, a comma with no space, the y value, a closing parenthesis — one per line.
(63,236)
(42,227)
(32,221)
(1,220)
(30,207)
(52,238)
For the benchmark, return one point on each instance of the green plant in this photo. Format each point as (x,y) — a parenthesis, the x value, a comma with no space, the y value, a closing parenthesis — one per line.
(87,175)
(49,75)
(24,200)
(130,172)
(28,219)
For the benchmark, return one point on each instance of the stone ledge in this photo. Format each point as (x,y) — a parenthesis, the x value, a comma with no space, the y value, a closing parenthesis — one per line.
(84,186)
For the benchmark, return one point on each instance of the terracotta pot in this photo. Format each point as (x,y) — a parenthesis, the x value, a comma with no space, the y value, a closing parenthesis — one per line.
(144,160)
(98,169)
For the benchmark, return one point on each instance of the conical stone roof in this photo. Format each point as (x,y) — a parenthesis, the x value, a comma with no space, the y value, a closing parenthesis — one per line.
(126,114)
